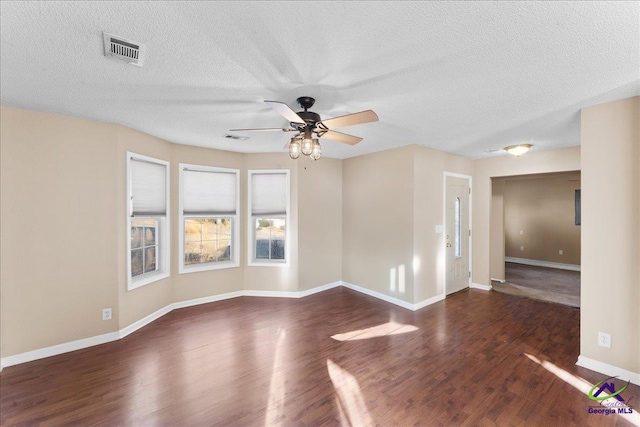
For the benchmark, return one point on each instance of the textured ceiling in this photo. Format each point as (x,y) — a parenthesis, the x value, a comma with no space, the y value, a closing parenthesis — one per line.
(461,77)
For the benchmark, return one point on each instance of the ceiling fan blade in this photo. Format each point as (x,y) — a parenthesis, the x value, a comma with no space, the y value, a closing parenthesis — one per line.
(266,129)
(362,117)
(285,111)
(340,137)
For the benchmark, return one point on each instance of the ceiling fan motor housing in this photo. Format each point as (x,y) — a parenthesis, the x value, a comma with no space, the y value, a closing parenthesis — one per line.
(306,102)
(309,117)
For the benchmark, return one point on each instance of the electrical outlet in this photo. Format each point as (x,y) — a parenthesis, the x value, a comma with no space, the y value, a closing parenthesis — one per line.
(604,339)
(521,232)
(522,248)
(560,252)
(106,314)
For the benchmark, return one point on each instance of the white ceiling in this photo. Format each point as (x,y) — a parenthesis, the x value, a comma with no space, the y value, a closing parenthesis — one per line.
(461,77)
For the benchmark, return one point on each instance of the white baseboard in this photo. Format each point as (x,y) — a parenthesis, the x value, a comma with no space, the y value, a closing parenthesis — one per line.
(537,263)
(54,350)
(113,336)
(144,321)
(317,289)
(498,280)
(482,287)
(428,301)
(291,294)
(609,370)
(271,294)
(379,295)
(392,300)
(206,300)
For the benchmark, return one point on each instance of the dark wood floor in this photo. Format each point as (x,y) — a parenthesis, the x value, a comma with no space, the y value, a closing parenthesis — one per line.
(271,361)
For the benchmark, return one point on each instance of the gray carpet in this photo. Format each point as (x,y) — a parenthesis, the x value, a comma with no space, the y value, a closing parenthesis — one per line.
(541,283)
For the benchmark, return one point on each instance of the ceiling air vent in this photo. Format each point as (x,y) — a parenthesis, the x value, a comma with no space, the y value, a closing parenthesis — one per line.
(116,47)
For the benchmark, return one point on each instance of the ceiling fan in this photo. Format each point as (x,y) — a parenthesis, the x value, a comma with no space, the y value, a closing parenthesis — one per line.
(307,123)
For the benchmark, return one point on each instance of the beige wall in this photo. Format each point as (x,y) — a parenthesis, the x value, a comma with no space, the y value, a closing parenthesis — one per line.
(320,221)
(534,162)
(543,208)
(74,171)
(377,221)
(610,297)
(58,200)
(392,202)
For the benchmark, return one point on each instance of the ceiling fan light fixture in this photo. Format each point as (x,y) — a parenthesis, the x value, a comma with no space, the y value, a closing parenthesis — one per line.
(307,145)
(316,151)
(518,150)
(294,148)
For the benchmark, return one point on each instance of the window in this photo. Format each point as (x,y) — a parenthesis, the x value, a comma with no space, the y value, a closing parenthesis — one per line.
(147,220)
(269,217)
(208,218)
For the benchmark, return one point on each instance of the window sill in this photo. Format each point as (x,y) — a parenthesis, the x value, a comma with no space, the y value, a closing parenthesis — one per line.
(199,268)
(268,264)
(146,280)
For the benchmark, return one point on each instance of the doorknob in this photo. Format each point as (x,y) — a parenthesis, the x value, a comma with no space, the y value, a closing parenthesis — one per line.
(448,245)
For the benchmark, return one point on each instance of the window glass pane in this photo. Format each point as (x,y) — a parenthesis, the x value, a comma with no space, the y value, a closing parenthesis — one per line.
(277,249)
(224,228)
(224,250)
(149,236)
(270,238)
(192,230)
(209,228)
(456,220)
(192,253)
(136,237)
(150,259)
(262,249)
(137,262)
(207,240)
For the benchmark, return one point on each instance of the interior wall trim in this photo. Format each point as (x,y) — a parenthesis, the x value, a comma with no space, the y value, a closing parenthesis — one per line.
(379,295)
(428,301)
(481,287)
(538,263)
(609,370)
(55,350)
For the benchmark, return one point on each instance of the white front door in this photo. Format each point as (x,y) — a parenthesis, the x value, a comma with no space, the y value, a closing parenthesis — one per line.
(457,233)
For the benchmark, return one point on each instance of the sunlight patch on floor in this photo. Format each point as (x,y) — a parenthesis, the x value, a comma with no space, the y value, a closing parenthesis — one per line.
(351,405)
(275,405)
(583,386)
(389,328)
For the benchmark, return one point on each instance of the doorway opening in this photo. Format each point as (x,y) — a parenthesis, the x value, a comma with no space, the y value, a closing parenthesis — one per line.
(540,236)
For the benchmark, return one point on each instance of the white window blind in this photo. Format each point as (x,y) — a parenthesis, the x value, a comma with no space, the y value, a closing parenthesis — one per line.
(209,192)
(269,194)
(148,188)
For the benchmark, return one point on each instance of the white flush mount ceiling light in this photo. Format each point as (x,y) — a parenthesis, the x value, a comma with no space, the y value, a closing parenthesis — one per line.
(518,150)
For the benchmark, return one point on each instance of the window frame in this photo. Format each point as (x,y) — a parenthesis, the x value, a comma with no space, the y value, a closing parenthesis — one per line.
(163,261)
(235,224)
(252,261)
